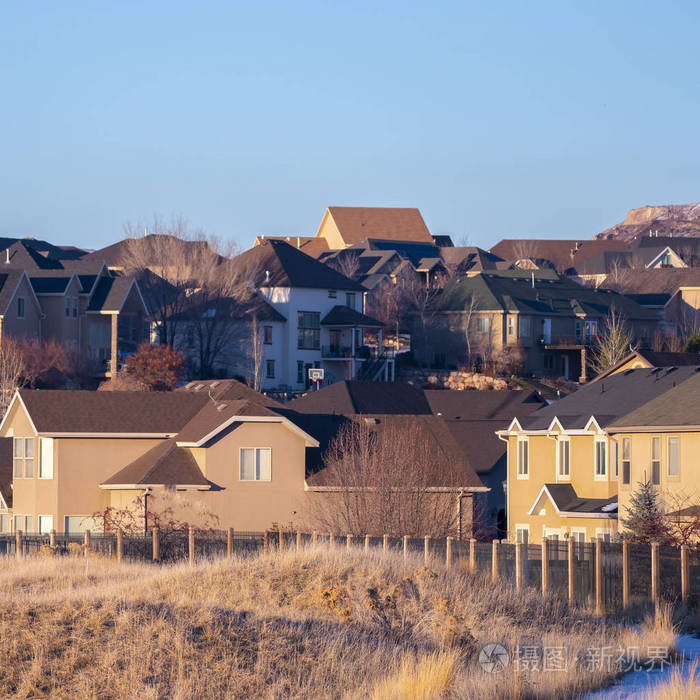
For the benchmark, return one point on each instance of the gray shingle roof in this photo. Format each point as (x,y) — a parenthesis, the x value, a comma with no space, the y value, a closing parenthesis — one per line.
(345,316)
(566,500)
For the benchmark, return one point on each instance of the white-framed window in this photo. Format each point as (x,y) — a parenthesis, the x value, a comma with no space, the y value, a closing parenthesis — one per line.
(563,458)
(270,369)
(78,524)
(45,524)
(23,458)
(523,458)
(511,325)
(626,459)
(602,534)
(578,535)
(25,523)
(601,458)
(255,464)
(46,458)
(482,324)
(522,533)
(524,327)
(615,449)
(656,460)
(267,335)
(3,522)
(674,456)
(20,307)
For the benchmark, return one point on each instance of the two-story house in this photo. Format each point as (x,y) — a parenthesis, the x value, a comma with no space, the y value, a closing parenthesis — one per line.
(567,462)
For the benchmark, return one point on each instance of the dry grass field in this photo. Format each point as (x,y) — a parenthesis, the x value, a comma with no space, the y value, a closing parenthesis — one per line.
(313,624)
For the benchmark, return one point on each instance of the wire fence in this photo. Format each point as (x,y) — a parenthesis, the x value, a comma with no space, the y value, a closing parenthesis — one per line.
(610,577)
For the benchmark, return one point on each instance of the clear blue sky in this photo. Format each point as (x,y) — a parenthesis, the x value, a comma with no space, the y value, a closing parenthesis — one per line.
(495,119)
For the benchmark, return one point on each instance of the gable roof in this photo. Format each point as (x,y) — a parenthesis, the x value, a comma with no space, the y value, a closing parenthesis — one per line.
(109,412)
(481,405)
(678,407)
(228,390)
(278,264)
(388,223)
(652,358)
(606,400)
(163,465)
(345,316)
(10,280)
(111,294)
(566,501)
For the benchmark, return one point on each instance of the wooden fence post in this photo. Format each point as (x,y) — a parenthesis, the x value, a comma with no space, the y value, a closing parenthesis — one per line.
(229,543)
(519,565)
(599,607)
(18,544)
(156,544)
(426,549)
(190,544)
(448,552)
(472,555)
(625,574)
(298,540)
(385,544)
(494,559)
(684,573)
(86,541)
(331,540)
(281,536)
(120,545)
(571,570)
(266,543)
(655,575)
(545,565)
(348,541)
(314,539)
(405,546)
(366,543)
(52,538)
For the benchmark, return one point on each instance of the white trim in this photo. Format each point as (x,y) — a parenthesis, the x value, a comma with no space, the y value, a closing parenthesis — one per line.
(522,476)
(98,436)
(603,531)
(567,513)
(596,476)
(578,530)
(131,487)
(542,491)
(559,475)
(24,275)
(592,420)
(255,451)
(521,526)
(3,505)
(38,523)
(668,456)
(17,397)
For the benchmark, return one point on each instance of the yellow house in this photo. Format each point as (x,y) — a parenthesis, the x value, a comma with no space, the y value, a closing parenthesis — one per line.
(566,462)
(648,359)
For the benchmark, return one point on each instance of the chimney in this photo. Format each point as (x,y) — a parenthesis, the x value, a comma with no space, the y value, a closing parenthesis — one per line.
(267,275)
(533,279)
(298,242)
(7,256)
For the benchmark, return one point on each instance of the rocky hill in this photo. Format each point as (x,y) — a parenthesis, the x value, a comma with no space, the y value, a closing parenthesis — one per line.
(675,220)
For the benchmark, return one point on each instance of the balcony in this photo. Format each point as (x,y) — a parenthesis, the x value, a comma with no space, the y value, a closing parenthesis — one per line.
(363,352)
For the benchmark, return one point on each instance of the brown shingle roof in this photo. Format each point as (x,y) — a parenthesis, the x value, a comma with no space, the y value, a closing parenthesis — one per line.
(358,223)
(164,465)
(110,412)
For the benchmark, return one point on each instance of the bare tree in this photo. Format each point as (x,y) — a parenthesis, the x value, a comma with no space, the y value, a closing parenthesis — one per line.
(347,262)
(470,307)
(386,477)
(11,371)
(256,354)
(615,342)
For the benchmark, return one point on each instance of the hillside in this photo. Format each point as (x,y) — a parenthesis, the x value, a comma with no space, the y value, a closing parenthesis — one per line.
(677,220)
(314,624)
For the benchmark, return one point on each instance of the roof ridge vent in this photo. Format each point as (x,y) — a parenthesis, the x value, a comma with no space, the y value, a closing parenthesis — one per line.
(221,406)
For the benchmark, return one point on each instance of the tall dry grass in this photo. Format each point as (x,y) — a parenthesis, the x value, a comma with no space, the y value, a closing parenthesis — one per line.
(313,624)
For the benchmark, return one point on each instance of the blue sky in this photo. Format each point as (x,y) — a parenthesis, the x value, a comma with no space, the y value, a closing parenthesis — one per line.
(495,119)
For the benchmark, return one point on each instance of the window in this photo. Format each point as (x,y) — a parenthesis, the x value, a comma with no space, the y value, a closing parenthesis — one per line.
(578,536)
(78,524)
(548,361)
(601,465)
(511,325)
(350,300)
(23,457)
(603,535)
(46,458)
(3,522)
(524,327)
(270,369)
(267,335)
(522,534)
(308,330)
(25,523)
(332,293)
(75,307)
(626,462)
(300,372)
(656,460)
(20,307)
(578,329)
(673,454)
(616,466)
(482,324)
(590,329)
(69,306)
(45,524)
(255,463)
(563,455)
(523,458)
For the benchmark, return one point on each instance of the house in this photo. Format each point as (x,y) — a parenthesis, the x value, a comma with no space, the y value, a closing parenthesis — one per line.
(567,463)
(467,420)
(682,311)
(47,292)
(545,320)
(319,320)
(216,453)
